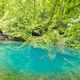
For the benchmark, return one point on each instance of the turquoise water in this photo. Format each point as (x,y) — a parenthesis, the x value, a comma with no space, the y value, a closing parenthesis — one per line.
(38,61)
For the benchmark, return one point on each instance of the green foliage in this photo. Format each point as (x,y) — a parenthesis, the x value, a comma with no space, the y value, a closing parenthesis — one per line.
(20,17)
(73,34)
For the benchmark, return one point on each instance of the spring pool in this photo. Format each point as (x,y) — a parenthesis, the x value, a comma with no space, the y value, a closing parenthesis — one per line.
(38,61)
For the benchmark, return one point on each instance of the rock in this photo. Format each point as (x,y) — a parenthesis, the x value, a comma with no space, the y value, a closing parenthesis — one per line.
(18,39)
(37,32)
(4,38)
(4,34)
(1,32)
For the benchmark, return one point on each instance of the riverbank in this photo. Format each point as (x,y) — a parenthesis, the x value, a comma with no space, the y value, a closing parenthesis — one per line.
(7,38)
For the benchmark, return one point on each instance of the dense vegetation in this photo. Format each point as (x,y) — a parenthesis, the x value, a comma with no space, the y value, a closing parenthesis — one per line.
(42,21)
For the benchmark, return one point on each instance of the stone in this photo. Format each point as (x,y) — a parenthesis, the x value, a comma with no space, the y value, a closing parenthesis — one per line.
(36,32)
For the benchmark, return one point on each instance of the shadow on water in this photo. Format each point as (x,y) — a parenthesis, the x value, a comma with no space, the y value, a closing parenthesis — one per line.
(29,63)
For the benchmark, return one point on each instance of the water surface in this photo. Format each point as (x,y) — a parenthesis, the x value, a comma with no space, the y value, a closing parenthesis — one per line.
(39,61)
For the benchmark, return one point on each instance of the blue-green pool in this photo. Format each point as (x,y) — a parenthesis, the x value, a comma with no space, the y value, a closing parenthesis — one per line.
(37,60)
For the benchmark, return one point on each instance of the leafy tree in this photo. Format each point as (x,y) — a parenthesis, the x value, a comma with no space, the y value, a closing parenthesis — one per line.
(50,17)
